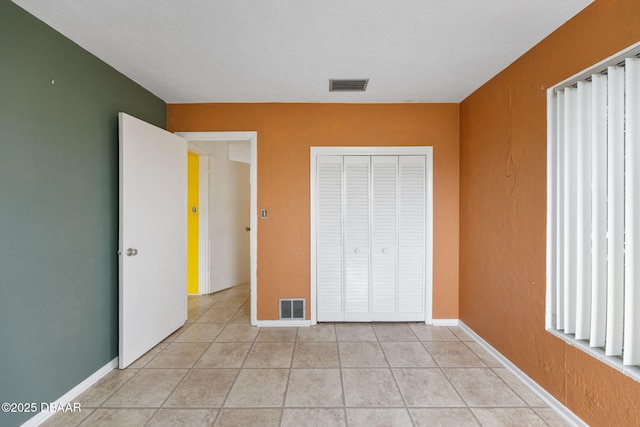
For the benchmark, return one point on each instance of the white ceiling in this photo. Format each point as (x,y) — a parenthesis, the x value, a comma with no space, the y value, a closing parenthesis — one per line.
(187,51)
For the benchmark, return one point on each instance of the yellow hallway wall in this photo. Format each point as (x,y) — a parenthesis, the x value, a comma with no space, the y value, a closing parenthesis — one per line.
(503,214)
(193,227)
(285,134)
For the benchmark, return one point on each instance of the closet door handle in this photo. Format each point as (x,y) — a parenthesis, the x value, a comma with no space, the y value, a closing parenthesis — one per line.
(357,250)
(384,250)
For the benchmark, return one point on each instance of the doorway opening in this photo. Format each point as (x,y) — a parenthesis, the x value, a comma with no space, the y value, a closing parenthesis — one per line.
(226,148)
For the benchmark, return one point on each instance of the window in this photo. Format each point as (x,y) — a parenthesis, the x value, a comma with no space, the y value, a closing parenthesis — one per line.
(593,221)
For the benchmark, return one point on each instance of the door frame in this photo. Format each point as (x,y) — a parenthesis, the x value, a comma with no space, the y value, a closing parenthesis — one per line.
(203,246)
(426,151)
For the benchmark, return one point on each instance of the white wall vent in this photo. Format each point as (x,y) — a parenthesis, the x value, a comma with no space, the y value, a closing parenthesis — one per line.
(292,309)
(350,85)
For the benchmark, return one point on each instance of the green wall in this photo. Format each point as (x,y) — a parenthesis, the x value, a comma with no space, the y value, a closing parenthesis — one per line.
(58,208)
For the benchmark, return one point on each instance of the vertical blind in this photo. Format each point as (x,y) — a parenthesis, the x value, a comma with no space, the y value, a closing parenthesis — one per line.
(594,202)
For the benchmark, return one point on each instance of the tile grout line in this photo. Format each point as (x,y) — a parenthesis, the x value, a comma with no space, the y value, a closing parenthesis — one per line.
(286,388)
(527,404)
(393,373)
(199,358)
(342,383)
(189,370)
(467,404)
(240,368)
(441,369)
(224,401)
(101,406)
(402,396)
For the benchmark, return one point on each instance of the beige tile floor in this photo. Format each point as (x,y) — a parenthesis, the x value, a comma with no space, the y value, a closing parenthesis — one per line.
(217,370)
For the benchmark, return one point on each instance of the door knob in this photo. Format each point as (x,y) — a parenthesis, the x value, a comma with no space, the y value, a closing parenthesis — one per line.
(247,228)
(384,250)
(357,250)
(132,252)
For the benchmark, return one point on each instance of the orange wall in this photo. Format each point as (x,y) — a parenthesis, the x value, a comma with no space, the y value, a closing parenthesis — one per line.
(503,214)
(285,133)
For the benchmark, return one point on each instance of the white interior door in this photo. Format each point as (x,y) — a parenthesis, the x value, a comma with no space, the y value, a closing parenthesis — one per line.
(229,208)
(152,236)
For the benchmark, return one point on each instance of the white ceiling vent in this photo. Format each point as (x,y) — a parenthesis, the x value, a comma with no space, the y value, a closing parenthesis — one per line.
(348,85)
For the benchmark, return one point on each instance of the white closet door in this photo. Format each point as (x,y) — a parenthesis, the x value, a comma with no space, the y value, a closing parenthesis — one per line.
(329,251)
(356,238)
(412,208)
(384,236)
(370,238)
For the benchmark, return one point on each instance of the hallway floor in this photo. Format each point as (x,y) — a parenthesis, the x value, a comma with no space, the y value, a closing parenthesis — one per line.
(217,370)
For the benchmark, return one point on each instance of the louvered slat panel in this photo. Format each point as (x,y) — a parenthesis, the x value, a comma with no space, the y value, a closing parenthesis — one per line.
(411,266)
(356,169)
(356,234)
(329,203)
(411,277)
(329,283)
(384,232)
(329,251)
(384,199)
(412,206)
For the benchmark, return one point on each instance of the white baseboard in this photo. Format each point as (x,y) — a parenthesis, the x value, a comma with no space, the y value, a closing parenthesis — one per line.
(294,323)
(443,322)
(553,403)
(72,394)
(282,323)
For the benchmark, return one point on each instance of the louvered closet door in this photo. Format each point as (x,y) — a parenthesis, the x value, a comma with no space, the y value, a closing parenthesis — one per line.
(356,238)
(370,238)
(384,236)
(329,252)
(411,238)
